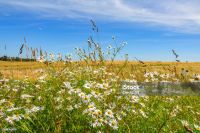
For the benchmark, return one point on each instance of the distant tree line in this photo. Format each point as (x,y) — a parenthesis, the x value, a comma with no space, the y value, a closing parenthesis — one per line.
(7,58)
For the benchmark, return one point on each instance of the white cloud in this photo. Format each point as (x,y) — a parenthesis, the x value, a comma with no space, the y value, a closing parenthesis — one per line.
(180,15)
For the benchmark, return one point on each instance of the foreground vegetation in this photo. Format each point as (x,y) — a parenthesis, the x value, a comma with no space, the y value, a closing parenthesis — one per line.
(88,99)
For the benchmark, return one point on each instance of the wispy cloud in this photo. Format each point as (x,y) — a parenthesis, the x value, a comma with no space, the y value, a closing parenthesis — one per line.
(179,15)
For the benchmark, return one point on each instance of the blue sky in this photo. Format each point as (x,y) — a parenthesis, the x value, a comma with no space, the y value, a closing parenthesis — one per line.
(151,28)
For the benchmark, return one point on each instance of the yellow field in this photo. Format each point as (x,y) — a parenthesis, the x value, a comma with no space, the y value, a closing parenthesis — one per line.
(20,70)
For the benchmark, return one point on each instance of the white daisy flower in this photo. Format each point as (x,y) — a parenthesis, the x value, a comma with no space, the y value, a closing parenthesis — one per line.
(109,113)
